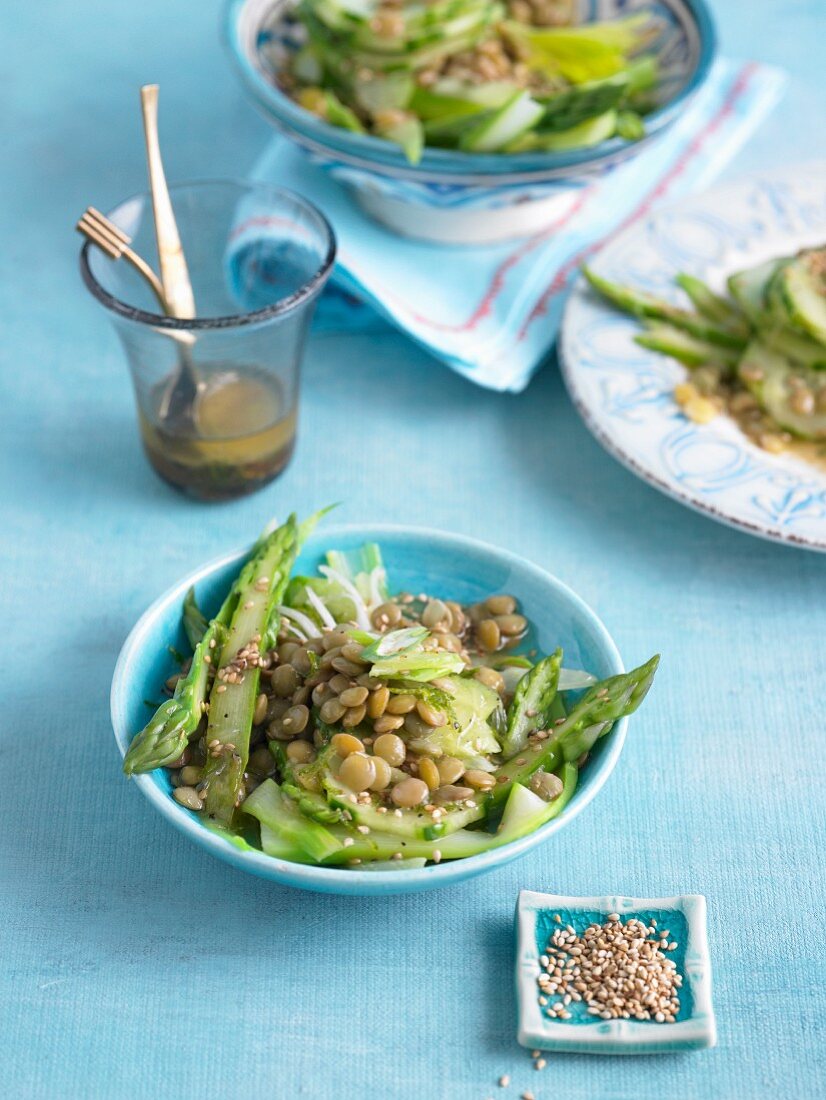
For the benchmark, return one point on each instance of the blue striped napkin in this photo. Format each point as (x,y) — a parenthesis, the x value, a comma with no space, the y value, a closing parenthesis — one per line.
(492,312)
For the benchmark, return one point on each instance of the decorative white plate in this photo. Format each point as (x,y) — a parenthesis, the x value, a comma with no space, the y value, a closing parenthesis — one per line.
(695,1027)
(624,392)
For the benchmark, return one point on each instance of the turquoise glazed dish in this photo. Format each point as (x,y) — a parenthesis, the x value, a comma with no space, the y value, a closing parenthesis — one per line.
(417,559)
(685,918)
(452,196)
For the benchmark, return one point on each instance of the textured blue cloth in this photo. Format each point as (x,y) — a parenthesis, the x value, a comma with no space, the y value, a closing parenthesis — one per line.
(492,312)
(133,965)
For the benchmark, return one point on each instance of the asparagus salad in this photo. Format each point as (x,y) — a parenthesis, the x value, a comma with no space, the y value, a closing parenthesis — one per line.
(332,722)
(758,354)
(474,75)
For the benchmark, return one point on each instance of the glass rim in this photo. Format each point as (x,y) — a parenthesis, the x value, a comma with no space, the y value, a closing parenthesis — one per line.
(283,306)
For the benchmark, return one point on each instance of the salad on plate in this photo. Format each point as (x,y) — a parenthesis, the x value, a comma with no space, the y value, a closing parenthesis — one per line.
(757,353)
(331,720)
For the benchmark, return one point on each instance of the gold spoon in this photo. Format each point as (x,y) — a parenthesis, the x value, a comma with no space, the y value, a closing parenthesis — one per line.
(180,399)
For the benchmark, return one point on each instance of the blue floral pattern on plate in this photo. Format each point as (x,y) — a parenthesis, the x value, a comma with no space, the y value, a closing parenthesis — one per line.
(624,392)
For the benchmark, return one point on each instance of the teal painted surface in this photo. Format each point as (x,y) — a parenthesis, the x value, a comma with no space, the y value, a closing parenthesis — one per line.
(132,965)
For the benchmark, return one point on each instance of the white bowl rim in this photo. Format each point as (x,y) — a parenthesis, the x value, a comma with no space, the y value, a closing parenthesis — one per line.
(306,876)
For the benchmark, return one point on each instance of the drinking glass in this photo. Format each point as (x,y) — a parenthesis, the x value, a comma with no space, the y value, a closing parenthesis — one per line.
(217,395)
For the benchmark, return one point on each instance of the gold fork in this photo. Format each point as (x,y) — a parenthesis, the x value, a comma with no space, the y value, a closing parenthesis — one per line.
(98,229)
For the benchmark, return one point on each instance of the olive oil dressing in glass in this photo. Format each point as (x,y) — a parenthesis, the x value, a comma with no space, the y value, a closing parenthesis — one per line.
(217,394)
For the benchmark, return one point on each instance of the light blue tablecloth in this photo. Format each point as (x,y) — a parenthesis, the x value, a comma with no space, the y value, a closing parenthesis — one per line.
(132,964)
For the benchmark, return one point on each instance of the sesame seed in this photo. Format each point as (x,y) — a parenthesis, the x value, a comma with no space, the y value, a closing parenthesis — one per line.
(221,688)
(540,1063)
(504,1081)
(348,841)
(363,829)
(437,856)
(619,969)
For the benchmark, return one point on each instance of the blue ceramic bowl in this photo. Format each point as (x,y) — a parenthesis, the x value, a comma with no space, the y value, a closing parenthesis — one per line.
(417,559)
(259,37)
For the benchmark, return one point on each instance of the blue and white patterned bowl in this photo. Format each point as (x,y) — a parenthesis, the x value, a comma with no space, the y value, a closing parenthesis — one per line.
(417,559)
(453,196)
(625,393)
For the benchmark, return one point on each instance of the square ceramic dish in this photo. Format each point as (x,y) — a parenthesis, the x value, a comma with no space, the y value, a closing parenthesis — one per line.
(684,916)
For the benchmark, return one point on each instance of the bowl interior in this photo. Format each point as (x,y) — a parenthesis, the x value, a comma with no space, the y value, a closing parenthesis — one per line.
(416,560)
(261,34)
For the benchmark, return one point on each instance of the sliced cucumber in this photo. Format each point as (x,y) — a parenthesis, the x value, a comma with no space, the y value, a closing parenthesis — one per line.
(778,384)
(801,285)
(408,133)
(414,864)
(514,118)
(526,811)
(448,130)
(271,806)
(491,96)
(279,847)
(384,92)
(800,349)
(430,106)
(583,136)
(748,288)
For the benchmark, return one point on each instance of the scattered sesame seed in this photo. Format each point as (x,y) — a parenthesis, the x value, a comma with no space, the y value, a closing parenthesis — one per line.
(363,829)
(348,841)
(540,1063)
(221,688)
(504,1081)
(249,605)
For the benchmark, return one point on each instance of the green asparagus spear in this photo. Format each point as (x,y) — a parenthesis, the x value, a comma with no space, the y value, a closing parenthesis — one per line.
(601,706)
(641,304)
(167,733)
(252,631)
(194,620)
(720,310)
(529,710)
(669,340)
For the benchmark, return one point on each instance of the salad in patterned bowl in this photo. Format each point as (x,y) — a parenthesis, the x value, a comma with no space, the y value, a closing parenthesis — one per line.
(459,106)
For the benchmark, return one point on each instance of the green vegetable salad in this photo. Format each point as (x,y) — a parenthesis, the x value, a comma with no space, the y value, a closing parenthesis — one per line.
(472,74)
(333,721)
